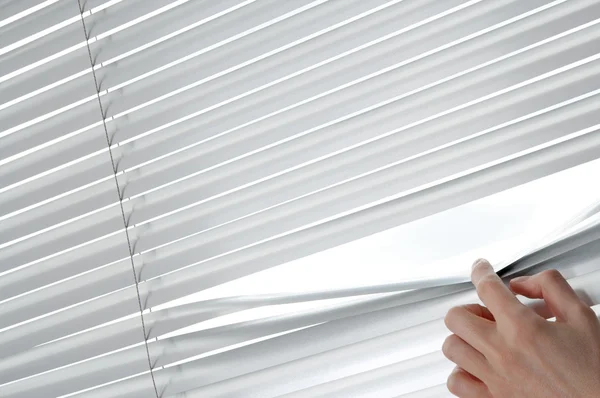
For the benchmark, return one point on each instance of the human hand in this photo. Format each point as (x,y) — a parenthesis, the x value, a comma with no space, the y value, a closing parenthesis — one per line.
(506,350)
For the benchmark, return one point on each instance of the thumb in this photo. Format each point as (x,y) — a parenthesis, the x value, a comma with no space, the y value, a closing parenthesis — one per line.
(553,288)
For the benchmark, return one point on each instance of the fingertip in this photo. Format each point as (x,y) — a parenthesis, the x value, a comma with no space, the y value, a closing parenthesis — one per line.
(480,268)
(521,286)
(454,381)
(492,291)
(462,384)
(519,280)
(480,262)
(553,288)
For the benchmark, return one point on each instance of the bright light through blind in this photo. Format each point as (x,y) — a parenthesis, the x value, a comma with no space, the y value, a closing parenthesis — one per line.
(151,149)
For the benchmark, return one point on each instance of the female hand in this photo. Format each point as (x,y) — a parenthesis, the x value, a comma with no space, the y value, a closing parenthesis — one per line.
(506,350)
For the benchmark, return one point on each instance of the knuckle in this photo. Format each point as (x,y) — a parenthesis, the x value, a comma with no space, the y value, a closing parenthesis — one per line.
(514,338)
(584,312)
(528,333)
(502,356)
(453,384)
(524,334)
(551,275)
(452,316)
(504,362)
(521,317)
(448,348)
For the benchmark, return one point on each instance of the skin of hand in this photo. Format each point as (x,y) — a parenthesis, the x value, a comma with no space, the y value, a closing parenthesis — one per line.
(506,350)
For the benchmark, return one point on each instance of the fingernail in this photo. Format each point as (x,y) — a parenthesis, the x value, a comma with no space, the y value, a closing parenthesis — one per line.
(480,268)
(479,261)
(520,278)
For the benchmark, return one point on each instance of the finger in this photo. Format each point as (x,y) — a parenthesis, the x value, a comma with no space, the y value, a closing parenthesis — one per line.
(464,385)
(501,302)
(473,329)
(480,311)
(465,356)
(553,288)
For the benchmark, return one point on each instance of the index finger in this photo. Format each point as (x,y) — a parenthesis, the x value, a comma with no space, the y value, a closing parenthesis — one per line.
(501,302)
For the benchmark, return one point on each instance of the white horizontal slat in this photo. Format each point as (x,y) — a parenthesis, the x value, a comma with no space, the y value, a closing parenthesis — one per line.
(124,333)
(82,118)
(30,361)
(408,376)
(376,375)
(130,362)
(104,192)
(347,101)
(16,197)
(68,77)
(147,242)
(17,228)
(72,260)
(25,126)
(69,321)
(30,196)
(176,80)
(289,347)
(16,202)
(295,127)
(20,197)
(260,256)
(154,35)
(189,95)
(352,202)
(11,11)
(183,283)
(28,87)
(375,219)
(72,379)
(127,332)
(98,24)
(278,324)
(439,391)
(51,17)
(363,384)
(398,52)
(75,67)
(312,318)
(45,35)
(304,24)
(385,381)
(397,324)
(546,126)
(583,84)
